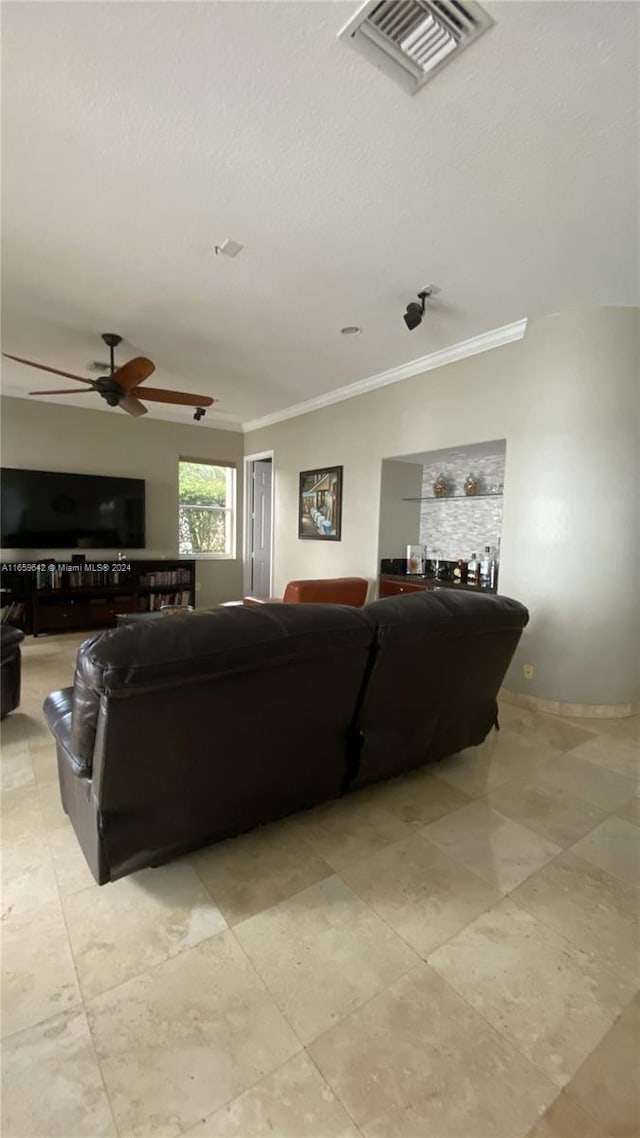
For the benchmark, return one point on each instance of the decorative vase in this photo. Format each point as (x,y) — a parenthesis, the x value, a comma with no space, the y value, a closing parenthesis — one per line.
(471,486)
(441,486)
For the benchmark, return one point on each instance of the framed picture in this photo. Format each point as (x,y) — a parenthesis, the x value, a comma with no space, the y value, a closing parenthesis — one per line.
(320,504)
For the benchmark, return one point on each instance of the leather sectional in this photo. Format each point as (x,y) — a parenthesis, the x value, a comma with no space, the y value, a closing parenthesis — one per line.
(182,732)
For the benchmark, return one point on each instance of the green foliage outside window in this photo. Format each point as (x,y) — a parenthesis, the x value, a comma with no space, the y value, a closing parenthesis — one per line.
(205,496)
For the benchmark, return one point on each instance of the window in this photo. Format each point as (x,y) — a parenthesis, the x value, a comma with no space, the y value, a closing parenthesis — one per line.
(206,514)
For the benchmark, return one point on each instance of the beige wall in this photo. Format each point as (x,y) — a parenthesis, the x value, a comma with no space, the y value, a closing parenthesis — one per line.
(399,520)
(566,400)
(47,436)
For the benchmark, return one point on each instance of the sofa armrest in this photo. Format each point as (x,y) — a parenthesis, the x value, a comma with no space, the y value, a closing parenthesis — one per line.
(57,709)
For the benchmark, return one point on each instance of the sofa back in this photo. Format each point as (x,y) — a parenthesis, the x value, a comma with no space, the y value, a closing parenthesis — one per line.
(433,679)
(329,591)
(200,727)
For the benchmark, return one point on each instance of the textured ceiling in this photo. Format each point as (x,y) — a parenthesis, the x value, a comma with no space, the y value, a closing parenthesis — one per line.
(136,136)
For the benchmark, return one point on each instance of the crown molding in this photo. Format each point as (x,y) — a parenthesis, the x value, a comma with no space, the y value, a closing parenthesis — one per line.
(496,338)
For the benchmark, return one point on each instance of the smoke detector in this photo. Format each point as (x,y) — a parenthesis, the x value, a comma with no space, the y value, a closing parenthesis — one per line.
(411,40)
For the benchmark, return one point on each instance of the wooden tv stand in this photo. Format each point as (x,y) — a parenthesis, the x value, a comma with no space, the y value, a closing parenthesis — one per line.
(90,597)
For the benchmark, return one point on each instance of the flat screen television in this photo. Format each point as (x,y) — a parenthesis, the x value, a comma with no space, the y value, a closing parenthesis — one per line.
(46,510)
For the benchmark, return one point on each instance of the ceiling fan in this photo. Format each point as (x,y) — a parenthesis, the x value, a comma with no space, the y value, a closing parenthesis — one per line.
(121,388)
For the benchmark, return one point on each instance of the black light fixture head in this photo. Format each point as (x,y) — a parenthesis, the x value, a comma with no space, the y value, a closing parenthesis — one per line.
(414,312)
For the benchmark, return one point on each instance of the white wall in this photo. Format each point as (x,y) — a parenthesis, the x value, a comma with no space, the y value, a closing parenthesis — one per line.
(47,436)
(399,520)
(566,400)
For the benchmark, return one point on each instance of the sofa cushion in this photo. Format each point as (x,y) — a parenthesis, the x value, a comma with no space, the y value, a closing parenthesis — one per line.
(440,659)
(153,656)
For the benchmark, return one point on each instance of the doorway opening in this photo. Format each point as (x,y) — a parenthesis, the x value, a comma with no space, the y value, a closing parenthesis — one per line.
(258,528)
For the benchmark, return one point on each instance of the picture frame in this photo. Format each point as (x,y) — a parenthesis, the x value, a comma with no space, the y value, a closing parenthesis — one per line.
(320,504)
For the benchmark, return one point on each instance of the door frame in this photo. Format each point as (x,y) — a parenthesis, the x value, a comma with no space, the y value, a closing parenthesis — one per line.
(248,461)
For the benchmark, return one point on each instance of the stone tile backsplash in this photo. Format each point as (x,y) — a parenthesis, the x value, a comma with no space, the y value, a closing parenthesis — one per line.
(459,528)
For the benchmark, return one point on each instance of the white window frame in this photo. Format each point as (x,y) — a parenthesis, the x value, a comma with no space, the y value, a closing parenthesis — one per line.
(231,511)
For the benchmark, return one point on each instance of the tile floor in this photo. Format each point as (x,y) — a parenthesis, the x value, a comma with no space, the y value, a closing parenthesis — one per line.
(453,954)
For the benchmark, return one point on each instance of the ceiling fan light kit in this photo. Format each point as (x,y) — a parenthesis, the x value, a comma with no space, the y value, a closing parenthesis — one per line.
(122,386)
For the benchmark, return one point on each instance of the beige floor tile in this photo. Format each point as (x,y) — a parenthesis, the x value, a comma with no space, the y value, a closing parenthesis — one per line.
(558,816)
(38,977)
(51,1085)
(417,1062)
(52,811)
(29,728)
(323,953)
(15,768)
(589,907)
(123,928)
(608,1083)
(293,1102)
(28,879)
(618,754)
(503,756)
(500,851)
(631,812)
(614,845)
(419,797)
(552,728)
(420,892)
(248,874)
(21,728)
(12,742)
(69,863)
(565,1119)
(350,828)
(592,783)
(185,1038)
(44,762)
(551,1000)
(623,728)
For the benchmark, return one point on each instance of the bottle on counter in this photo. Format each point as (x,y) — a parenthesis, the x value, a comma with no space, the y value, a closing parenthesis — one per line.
(493,571)
(473,570)
(485,563)
(460,572)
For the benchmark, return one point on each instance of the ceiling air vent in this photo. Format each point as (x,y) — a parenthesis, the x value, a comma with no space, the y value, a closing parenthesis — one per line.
(412,39)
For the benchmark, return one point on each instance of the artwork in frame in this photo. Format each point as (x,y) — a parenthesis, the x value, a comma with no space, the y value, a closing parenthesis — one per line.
(320,504)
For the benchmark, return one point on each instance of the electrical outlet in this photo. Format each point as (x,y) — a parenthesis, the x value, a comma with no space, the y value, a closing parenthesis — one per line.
(527,671)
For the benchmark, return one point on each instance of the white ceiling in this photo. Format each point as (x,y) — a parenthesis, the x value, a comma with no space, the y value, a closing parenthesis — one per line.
(136,136)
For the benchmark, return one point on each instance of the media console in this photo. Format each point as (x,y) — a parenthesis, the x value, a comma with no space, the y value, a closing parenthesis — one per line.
(59,596)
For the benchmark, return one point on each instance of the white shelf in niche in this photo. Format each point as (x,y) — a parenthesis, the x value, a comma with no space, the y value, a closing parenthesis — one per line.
(453,498)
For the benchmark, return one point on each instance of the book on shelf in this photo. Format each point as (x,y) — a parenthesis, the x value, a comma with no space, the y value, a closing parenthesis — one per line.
(14,612)
(156,580)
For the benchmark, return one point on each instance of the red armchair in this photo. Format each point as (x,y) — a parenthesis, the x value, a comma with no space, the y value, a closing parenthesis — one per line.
(332,591)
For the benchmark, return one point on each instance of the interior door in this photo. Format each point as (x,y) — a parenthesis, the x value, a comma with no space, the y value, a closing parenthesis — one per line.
(261,527)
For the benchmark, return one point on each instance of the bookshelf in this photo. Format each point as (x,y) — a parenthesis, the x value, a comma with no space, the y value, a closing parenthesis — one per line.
(56,596)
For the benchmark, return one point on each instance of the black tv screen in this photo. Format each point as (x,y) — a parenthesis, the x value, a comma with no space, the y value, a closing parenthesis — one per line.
(42,509)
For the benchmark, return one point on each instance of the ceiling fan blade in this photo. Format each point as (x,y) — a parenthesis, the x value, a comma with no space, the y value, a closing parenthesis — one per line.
(132,405)
(158,395)
(65,391)
(133,372)
(53,370)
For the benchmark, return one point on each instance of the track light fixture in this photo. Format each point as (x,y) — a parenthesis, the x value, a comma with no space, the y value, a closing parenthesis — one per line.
(414,312)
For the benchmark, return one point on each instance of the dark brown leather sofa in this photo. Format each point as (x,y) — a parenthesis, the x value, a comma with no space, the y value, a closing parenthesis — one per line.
(10,668)
(182,732)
